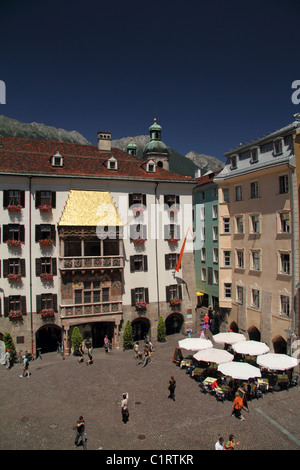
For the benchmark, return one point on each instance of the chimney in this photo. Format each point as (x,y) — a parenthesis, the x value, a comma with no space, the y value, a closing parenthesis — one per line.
(104,141)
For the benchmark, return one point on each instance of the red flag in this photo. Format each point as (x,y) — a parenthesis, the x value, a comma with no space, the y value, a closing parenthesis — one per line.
(181,251)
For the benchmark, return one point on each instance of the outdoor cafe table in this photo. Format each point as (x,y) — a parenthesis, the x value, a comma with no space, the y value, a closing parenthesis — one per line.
(186,362)
(209,380)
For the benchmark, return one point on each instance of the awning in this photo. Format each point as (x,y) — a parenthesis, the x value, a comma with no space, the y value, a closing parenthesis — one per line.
(90,209)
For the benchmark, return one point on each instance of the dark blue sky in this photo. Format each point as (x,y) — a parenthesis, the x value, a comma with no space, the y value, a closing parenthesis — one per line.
(213,73)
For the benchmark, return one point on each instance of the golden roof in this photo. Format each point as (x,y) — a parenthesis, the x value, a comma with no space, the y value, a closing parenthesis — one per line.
(90,209)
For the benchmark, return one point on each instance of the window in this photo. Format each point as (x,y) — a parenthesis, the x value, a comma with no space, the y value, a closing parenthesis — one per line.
(203,274)
(225,194)
(15,303)
(137,198)
(255,260)
(46,266)
(89,292)
(57,160)
(112,164)
(13,197)
(138,263)
(285,305)
(240,294)
(202,233)
(215,211)
(139,294)
(14,232)
(172,231)
(254,190)
(203,255)
(215,233)
(47,198)
(255,298)
(240,259)
(255,223)
(238,193)
(284,263)
(284,222)
(45,232)
(138,231)
(202,196)
(171,260)
(14,266)
(202,213)
(46,302)
(233,165)
(254,152)
(171,200)
(283,184)
(216,276)
(226,225)
(173,292)
(227,290)
(105,294)
(239,224)
(215,255)
(227,258)
(278,146)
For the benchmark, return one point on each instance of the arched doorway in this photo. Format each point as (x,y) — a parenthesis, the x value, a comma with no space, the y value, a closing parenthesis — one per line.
(99,330)
(47,338)
(254,333)
(174,323)
(279,345)
(140,328)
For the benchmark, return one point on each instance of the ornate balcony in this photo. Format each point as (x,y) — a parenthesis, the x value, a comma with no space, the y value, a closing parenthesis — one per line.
(84,263)
(103,308)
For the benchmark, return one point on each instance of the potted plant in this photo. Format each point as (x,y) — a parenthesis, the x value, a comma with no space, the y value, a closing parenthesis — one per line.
(15,315)
(47,313)
(137,210)
(14,207)
(128,336)
(14,277)
(173,240)
(14,243)
(141,305)
(161,330)
(45,208)
(46,276)
(175,302)
(76,340)
(139,241)
(46,242)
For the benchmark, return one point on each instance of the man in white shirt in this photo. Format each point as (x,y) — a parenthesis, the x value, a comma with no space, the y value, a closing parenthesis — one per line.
(219,445)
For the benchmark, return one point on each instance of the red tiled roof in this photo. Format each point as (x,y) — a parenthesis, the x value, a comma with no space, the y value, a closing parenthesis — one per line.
(208,178)
(33,157)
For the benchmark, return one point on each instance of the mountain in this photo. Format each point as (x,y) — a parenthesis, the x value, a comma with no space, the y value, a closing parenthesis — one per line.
(205,162)
(13,128)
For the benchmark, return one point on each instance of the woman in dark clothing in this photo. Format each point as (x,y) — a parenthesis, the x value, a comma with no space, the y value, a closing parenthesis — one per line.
(171,388)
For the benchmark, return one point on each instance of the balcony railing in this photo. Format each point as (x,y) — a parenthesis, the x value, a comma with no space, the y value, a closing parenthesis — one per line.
(102,308)
(91,262)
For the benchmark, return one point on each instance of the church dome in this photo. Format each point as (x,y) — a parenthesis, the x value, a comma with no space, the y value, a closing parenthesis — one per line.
(155,146)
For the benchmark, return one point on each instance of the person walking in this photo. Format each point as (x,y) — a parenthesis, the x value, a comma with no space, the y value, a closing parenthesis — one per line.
(7,359)
(237,407)
(171,388)
(106,344)
(80,438)
(25,372)
(80,352)
(90,357)
(124,408)
(231,444)
(219,445)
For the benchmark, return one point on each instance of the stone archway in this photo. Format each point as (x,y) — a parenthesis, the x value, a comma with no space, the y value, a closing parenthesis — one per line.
(47,337)
(279,345)
(174,323)
(140,328)
(233,327)
(254,333)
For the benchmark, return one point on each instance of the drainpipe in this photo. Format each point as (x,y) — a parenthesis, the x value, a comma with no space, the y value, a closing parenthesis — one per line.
(156,250)
(292,172)
(30,268)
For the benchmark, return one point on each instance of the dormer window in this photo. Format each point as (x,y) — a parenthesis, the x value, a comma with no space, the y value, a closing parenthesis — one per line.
(254,152)
(234,159)
(278,146)
(151,167)
(112,164)
(57,160)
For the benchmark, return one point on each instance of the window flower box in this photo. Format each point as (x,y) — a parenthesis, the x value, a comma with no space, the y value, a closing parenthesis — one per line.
(175,302)
(137,210)
(14,207)
(14,277)
(45,208)
(139,241)
(141,305)
(47,313)
(173,240)
(14,243)
(46,242)
(46,276)
(15,315)
(173,209)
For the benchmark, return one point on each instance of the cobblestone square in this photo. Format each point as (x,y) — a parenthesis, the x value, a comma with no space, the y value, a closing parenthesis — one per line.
(40,413)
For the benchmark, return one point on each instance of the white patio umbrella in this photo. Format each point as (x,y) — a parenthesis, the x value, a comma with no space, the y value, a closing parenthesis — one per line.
(253,348)
(239,370)
(195,344)
(229,337)
(275,361)
(218,356)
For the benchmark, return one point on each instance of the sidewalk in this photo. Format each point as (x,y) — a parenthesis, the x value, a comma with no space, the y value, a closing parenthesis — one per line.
(41,412)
